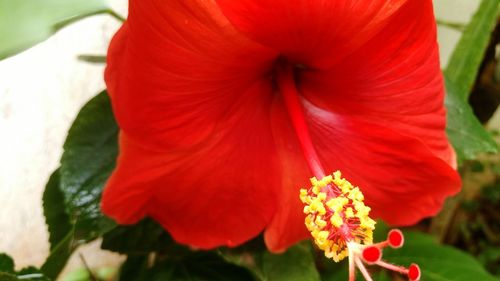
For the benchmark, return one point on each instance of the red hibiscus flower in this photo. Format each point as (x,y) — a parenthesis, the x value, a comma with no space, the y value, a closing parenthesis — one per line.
(228,107)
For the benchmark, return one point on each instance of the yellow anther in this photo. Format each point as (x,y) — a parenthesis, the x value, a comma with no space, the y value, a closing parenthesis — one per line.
(343,201)
(329,254)
(334,248)
(304,196)
(347,205)
(337,204)
(320,222)
(339,181)
(349,213)
(310,224)
(337,175)
(316,188)
(336,220)
(331,203)
(326,181)
(309,220)
(321,238)
(315,205)
(314,181)
(361,209)
(342,254)
(345,186)
(367,223)
(356,195)
(322,196)
(322,235)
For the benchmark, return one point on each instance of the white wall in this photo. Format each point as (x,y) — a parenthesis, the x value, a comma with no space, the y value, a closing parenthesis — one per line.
(41,91)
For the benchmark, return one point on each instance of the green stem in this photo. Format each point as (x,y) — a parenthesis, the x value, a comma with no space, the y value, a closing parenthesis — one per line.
(115,15)
(454,25)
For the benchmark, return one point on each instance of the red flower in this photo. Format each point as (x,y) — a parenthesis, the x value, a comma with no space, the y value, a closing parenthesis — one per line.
(223,105)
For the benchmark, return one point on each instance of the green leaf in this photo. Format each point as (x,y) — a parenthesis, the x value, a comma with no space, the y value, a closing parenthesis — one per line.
(7,277)
(72,195)
(89,157)
(54,211)
(133,267)
(142,238)
(466,133)
(466,58)
(32,274)
(296,264)
(84,274)
(92,58)
(59,256)
(206,266)
(382,276)
(80,274)
(6,264)
(437,262)
(199,266)
(333,271)
(153,255)
(172,261)
(24,23)
(7,272)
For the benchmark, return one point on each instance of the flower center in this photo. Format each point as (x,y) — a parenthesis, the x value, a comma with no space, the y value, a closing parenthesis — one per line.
(336,215)
(335,212)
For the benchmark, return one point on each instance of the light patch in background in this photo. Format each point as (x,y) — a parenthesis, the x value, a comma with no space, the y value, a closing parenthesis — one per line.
(41,92)
(456,12)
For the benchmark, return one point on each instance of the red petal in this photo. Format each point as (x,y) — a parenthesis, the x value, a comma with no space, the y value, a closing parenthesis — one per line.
(395,80)
(206,196)
(287,226)
(171,91)
(403,181)
(197,92)
(197,152)
(388,131)
(311,32)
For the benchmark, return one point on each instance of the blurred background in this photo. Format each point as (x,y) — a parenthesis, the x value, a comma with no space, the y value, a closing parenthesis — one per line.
(41,91)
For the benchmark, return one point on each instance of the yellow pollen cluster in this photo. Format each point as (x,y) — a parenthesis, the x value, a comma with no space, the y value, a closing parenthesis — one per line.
(336,215)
